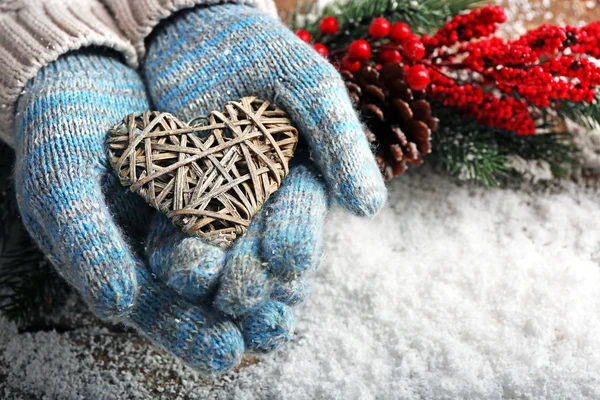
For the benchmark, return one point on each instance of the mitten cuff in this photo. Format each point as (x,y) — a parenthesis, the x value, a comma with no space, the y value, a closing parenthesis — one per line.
(137,18)
(36,32)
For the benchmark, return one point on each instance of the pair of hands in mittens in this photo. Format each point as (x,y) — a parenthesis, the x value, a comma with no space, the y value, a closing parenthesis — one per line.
(201,303)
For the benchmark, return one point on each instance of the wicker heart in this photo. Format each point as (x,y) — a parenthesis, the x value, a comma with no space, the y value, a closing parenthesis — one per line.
(210,179)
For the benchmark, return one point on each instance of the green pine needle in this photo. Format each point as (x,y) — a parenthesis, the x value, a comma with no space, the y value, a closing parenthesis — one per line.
(582,113)
(467,149)
(554,148)
(29,286)
(355,16)
(479,154)
(8,207)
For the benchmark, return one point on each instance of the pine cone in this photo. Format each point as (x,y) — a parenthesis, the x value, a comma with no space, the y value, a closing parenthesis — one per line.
(398,119)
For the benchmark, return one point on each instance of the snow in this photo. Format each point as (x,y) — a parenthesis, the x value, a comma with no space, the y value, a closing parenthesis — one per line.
(451,292)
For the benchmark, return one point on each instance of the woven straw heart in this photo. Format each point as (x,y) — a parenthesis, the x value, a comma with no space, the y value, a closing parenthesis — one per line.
(209,179)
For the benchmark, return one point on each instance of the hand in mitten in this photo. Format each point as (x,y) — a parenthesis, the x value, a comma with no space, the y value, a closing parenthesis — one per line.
(92,229)
(205,56)
(265,272)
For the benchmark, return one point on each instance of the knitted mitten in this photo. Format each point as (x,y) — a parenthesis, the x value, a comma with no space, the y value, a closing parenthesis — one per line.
(265,270)
(204,56)
(197,61)
(78,213)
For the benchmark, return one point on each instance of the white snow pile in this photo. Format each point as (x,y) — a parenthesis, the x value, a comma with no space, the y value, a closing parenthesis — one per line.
(451,292)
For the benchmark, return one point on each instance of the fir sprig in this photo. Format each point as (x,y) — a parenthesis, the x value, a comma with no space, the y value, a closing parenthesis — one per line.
(554,148)
(29,286)
(7,205)
(479,153)
(467,149)
(582,113)
(354,17)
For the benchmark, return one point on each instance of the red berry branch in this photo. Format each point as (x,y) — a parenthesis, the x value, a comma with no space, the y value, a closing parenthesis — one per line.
(506,84)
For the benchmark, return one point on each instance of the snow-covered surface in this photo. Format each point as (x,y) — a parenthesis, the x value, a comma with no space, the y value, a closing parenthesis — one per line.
(451,292)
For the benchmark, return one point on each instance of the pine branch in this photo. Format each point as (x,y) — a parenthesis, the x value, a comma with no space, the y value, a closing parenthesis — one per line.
(29,286)
(8,207)
(553,148)
(466,149)
(355,16)
(582,113)
(479,153)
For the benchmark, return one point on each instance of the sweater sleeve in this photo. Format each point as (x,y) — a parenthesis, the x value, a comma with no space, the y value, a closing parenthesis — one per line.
(137,18)
(33,33)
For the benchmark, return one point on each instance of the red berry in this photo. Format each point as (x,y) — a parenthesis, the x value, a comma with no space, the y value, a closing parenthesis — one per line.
(400,31)
(417,77)
(350,64)
(359,50)
(411,38)
(321,49)
(303,35)
(426,39)
(414,49)
(329,26)
(502,17)
(389,56)
(380,28)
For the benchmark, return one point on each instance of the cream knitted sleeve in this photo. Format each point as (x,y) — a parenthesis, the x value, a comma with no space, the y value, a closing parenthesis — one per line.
(137,18)
(34,33)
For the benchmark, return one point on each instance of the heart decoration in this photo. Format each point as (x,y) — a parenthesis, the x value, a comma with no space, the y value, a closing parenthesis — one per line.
(210,179)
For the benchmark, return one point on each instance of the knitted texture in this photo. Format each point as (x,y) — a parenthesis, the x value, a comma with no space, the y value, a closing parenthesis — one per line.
(245,282)
(293,239)
(282,241)
(193,268)
(36,32)
(137,18)
(267,328)
(60,167)
(285,238)
(85,222)
(76,210)
(192,67)
(291,293)
(247,288)
(190,266)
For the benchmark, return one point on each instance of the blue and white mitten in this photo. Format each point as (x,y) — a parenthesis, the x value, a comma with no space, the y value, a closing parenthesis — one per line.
(203,57)
(93,230)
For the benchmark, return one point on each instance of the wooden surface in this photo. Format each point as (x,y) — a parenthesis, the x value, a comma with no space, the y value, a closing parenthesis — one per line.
(526,14)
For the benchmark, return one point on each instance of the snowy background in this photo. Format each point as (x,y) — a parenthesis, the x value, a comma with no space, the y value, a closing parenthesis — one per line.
(451,292)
